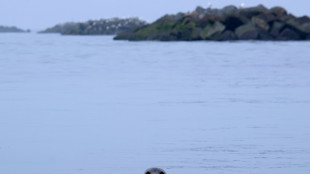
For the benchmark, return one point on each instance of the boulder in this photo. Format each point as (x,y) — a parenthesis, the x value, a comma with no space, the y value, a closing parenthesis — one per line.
(247,32)
(194,15)
(196,34)
(251,32)
(210,11)
(303,20)
(267,17)
(211,32)
(264,35)
(278,11)
(286,18)
(227,35)
(260,23)
(303,28)
(186,31)
(277,28)
(253,11)
(228,10)
(200,10)
(211,19)
(289,34)
(217,12)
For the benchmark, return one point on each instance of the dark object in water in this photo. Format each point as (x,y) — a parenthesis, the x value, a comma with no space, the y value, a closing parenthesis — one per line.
(155,170)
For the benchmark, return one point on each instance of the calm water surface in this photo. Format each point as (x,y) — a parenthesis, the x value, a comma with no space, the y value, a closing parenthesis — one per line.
(91,105)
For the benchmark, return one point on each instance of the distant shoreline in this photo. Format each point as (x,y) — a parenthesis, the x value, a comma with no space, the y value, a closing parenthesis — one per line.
(112,26)
(12,29)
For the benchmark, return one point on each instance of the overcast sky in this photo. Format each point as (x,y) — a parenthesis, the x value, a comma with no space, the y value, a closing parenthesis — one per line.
(39,14)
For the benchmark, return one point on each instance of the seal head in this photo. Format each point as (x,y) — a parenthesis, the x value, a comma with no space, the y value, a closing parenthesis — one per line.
(155,171)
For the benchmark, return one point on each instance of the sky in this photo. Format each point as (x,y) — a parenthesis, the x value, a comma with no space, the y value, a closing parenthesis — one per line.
(40,14)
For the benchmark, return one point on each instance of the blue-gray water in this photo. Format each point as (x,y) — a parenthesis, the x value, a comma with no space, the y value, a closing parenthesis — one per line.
(91,105)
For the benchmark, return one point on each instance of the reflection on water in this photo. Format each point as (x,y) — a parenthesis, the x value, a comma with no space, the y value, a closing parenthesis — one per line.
(89,105)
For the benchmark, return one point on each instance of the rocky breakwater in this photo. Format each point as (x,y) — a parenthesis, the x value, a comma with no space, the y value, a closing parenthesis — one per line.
(228,23)
(96,27)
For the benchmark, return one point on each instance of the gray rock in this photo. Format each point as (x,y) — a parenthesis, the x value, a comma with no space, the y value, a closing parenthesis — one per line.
(253,11)
(277,28)
(185,31)
(212,31)
(227,35)
(289,34)
(278,11)
(218,12)
(264,35)
(302,20)
(260,23)
(247,32)
(196,34)
(229,10)
(171,18)
(303,29)
(267,17)
(251,32)
(200,10)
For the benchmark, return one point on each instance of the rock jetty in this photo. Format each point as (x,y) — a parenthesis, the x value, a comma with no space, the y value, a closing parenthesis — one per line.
(96,27)
(5,29)
(226,24)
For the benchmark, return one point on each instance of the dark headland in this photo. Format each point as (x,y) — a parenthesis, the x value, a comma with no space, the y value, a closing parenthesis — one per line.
(5,29)
(96,27)
(228,23)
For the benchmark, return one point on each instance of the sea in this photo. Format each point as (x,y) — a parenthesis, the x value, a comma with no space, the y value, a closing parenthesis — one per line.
(92,105)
